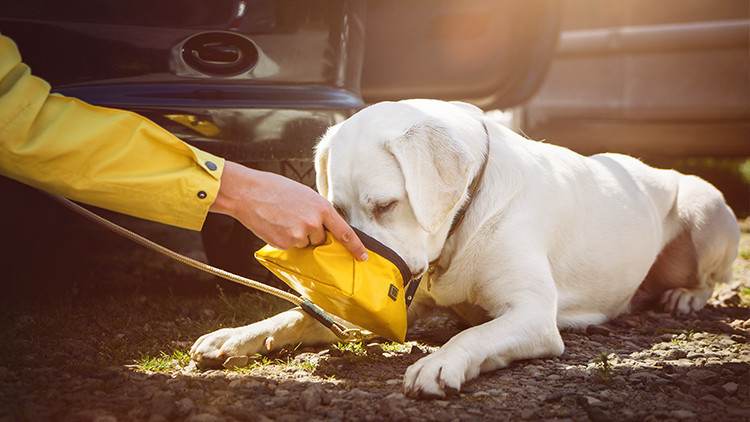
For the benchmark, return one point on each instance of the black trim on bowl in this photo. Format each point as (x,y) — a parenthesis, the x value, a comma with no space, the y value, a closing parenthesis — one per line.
(386,252)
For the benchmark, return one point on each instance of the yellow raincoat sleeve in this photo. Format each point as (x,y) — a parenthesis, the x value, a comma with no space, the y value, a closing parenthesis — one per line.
(109,158)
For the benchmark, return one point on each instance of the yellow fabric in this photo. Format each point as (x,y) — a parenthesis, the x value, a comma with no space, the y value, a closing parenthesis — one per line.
(109,158)
(369,294)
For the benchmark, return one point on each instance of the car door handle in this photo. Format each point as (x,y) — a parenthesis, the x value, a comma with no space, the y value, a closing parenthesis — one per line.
(219,53)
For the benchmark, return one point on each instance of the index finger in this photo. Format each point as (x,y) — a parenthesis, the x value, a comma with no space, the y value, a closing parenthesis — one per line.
(345,234)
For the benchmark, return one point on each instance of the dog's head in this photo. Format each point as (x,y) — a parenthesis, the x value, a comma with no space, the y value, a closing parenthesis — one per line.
(400,172)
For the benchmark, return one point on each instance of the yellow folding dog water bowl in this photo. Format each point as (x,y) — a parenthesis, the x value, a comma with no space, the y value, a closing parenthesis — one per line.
(370,294)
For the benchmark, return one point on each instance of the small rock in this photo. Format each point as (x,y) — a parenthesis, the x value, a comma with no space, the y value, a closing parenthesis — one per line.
(730,299)
(357,394)
(704,376)
(553,397)
(280,392)
(176,385)
(709,398)
(416,351)
(563,413)
(682,414)
(594,402)
(739,339)
(106,418)
(730,388)
(308,357)
(236,362)
(374,349)
(528,414)
(597,415)
(311,397)
(682,405)
(597,329)
(675,354)
(642,377)
(737,368)
(184,406)
(241,413)
(163,404)
(203,417)
(213,374)
(665,338)
(391,407)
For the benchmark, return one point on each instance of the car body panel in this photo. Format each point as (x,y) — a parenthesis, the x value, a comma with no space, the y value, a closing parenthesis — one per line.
(668,78)
(303,61)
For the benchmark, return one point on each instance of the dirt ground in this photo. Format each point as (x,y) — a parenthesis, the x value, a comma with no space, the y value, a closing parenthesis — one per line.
(98,330)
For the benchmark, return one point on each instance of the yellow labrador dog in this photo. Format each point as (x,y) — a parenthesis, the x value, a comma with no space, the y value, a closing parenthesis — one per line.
(518,238)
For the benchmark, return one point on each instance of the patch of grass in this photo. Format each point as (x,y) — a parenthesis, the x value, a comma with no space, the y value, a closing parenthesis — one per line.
(354,348)
(305,365)
(680,339)
(259,362)
(163,362)
(603,367)
(745,297)
(398,347)
(744,169)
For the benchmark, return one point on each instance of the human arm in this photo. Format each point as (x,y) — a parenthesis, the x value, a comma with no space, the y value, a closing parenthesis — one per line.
(121,161)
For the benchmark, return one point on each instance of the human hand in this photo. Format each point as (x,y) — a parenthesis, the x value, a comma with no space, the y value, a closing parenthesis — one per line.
(280,211)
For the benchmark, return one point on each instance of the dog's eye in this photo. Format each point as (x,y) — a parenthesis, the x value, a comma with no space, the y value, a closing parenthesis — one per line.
(382,208)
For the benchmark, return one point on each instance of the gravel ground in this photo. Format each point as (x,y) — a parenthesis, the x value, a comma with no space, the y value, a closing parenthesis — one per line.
(118,353)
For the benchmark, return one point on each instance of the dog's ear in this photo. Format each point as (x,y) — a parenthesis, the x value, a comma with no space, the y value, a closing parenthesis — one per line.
(435,167)
(321,169)
(322,150)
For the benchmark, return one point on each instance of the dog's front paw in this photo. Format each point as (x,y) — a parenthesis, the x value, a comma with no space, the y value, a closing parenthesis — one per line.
(231,346)
(434,376)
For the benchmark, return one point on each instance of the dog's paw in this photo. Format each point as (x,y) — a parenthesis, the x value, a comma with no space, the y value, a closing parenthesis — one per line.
(683,301)
(231,346)
(434,377)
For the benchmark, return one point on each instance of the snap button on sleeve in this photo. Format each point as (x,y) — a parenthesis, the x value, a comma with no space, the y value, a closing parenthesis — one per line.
(211,165)
(202,195)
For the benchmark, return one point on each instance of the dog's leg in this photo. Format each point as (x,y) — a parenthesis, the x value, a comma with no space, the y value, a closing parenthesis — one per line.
(527,329)
(715,250)
(702,255)
(287,328)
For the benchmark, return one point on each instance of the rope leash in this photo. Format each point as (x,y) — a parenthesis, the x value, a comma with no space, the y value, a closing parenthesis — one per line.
(346,335)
